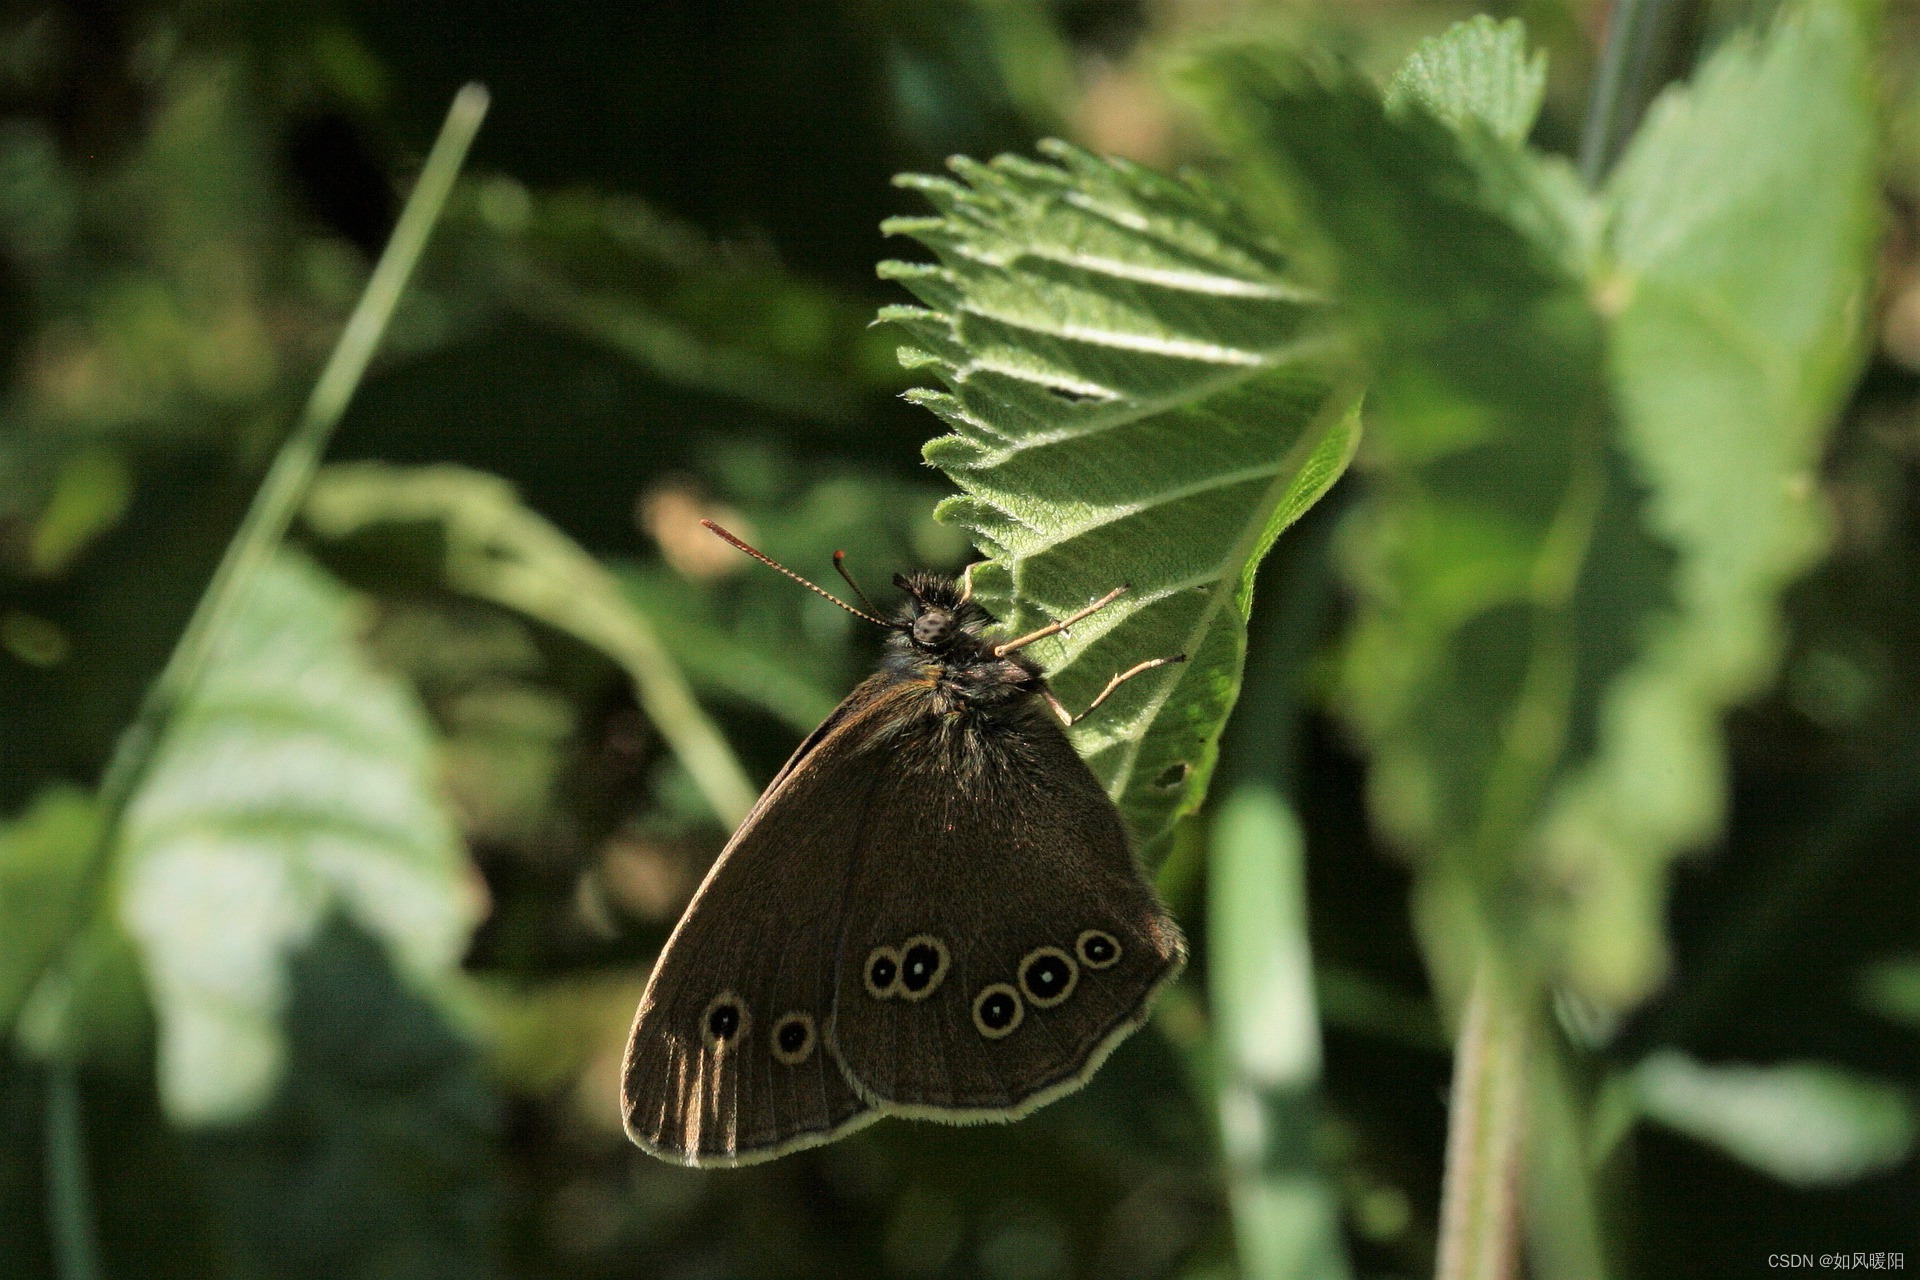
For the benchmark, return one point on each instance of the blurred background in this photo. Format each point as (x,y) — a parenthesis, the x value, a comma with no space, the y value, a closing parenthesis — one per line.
(448,841)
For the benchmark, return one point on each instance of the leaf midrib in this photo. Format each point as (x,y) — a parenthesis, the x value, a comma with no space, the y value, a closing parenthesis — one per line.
(1330,415)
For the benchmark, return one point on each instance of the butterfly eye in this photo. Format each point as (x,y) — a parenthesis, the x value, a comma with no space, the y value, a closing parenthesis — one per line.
(1098,949)
(997,1011)
(793,1039)
(923,965)
(882,974)
(726,1020)
(932,627)
(1048,976)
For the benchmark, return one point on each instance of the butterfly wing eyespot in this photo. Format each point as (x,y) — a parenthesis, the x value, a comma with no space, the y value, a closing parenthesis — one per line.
(881,973)
(1048,976)
(794,1038)
(726,1021)
(1098,949)
(923,966)
(998,1010)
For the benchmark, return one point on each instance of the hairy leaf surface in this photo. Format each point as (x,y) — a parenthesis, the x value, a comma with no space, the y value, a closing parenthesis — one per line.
(1136,394)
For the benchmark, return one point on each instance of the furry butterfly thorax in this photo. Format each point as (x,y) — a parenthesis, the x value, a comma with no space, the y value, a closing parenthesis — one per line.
(933,911)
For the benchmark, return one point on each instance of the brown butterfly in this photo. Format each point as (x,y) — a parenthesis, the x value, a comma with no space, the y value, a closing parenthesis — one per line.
(933,911)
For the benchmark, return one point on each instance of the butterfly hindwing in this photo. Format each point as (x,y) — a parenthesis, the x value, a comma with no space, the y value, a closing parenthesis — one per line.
(995,878)
(760,935)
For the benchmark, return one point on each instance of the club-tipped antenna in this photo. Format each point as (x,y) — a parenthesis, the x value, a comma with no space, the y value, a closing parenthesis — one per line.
(840,566)
(771,563)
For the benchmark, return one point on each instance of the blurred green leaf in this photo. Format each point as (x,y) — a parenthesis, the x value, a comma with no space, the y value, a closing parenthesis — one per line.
(1808,1124)
(634,281)
(1728,376)
(485,543)
(503,727)
(1502,566)
(1136,392)
(296,782)
(1477,70)
(1582,741)
(43,861)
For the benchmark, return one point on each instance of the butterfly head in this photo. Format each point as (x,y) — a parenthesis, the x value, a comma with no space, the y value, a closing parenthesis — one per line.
(937,620)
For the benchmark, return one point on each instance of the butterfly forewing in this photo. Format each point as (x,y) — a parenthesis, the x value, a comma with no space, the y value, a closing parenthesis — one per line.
(760,938)
(991,859)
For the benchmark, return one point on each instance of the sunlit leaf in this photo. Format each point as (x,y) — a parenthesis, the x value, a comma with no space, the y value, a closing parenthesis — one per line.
(295,784)
(1136,395)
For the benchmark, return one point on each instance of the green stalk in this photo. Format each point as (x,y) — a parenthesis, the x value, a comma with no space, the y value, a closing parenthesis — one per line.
(76,1245)
(265,524)
(1266,1059)
(1647,45)
(1479,1200)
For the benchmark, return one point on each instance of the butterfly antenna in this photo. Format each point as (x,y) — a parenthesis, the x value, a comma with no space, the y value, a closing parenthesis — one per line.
(840,566)
(771,563)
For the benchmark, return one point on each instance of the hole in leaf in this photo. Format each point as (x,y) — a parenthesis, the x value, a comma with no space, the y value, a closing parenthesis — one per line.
(1173,776)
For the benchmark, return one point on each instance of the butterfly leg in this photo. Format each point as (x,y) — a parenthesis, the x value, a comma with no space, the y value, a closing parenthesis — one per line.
(1053,628)
(1070,720)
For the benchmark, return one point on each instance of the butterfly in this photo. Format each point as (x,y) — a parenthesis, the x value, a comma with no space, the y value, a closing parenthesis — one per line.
(933,911)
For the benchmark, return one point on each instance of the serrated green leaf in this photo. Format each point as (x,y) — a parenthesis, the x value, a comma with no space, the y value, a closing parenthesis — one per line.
(1479,71)
(1136,394)
(1807,1123)
(296,782)
(1740,230)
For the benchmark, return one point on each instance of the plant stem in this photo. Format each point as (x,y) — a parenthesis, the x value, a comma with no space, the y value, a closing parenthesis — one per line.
(1647,44)
(1479,1200)
(76,1246)
(1267,1054)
